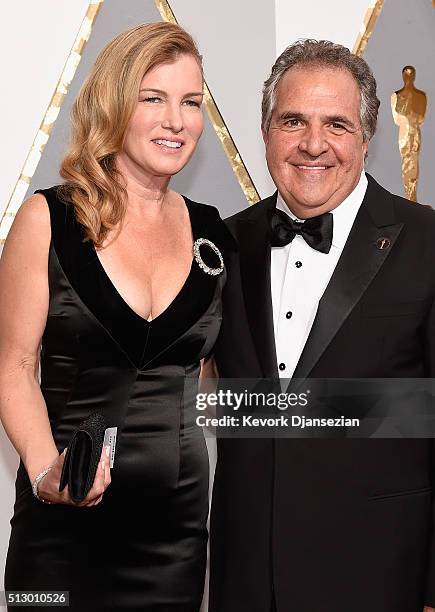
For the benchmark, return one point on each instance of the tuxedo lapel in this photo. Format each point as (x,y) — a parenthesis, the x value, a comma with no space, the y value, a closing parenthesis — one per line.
(253,233)
(360,261)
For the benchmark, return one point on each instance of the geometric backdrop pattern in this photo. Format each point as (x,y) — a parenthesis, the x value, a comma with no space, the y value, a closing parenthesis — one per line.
(401,35)
(235,73)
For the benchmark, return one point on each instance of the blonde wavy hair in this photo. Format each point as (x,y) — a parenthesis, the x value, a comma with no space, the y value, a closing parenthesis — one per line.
(100,116)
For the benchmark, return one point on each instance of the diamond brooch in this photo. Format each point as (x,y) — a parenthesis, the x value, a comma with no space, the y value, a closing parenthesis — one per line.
(201,263)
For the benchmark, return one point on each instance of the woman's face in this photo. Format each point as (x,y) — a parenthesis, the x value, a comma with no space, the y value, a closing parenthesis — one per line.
(167,122)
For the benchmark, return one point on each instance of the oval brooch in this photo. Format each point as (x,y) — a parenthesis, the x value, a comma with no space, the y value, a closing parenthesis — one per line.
(201,263)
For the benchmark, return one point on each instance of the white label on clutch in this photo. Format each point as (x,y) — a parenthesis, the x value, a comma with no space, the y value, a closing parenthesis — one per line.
(110,440)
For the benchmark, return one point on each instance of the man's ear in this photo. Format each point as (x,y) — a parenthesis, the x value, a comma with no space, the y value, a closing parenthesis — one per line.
(366,146)
(365,149)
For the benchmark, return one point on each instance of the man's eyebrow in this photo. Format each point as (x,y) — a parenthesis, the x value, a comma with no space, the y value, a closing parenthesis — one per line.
(287,115)
(164,93)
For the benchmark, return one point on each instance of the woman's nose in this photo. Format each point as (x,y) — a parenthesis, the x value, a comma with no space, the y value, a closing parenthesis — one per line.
(173,119)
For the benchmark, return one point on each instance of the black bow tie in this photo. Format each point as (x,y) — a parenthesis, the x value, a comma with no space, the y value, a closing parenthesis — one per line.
(317,231)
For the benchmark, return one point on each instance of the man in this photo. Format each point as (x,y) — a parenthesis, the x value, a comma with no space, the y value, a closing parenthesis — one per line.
(335,278)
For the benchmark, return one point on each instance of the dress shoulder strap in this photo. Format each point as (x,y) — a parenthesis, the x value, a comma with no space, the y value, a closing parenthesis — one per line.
(62,218)
(67,235)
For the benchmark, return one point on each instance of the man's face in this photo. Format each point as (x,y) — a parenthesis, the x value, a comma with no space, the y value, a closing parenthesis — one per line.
(314,146)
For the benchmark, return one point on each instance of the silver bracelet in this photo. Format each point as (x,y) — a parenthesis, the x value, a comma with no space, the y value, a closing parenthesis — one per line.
(36,482)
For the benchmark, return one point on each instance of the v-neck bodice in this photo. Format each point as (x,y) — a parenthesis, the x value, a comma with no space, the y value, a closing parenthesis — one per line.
(194,230)
(140,339)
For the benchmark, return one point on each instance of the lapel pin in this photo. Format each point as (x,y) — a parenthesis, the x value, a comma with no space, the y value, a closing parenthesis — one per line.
(383,243)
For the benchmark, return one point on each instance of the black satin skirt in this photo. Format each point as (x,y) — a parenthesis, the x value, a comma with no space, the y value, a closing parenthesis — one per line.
(144,547)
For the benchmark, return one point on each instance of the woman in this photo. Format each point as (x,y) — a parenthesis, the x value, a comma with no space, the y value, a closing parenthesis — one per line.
(110,276)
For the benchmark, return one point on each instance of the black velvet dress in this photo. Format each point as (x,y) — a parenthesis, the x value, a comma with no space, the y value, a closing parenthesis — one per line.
(144,546)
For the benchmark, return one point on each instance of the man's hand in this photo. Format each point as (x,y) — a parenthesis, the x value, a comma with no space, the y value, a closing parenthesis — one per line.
(426,609)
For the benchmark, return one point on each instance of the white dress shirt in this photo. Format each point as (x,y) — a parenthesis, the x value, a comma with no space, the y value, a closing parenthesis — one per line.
(299,277)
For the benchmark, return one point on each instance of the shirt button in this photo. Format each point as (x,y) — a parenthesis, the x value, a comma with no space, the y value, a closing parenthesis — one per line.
(282,366)
(298,264)
(288,315)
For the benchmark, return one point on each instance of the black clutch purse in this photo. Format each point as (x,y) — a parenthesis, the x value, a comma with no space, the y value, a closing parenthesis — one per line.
(82,457)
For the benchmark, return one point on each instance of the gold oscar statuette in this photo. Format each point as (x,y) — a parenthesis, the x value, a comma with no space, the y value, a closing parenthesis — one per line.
(408,106)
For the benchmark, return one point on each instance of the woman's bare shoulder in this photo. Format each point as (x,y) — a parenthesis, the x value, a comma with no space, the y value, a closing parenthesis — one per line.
(34,210)
(31,226)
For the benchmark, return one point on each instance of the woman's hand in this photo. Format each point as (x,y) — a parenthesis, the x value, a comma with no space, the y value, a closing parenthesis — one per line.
(48,487)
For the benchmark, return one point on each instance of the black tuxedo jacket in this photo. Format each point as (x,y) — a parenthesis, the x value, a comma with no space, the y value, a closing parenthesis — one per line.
(338,525)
